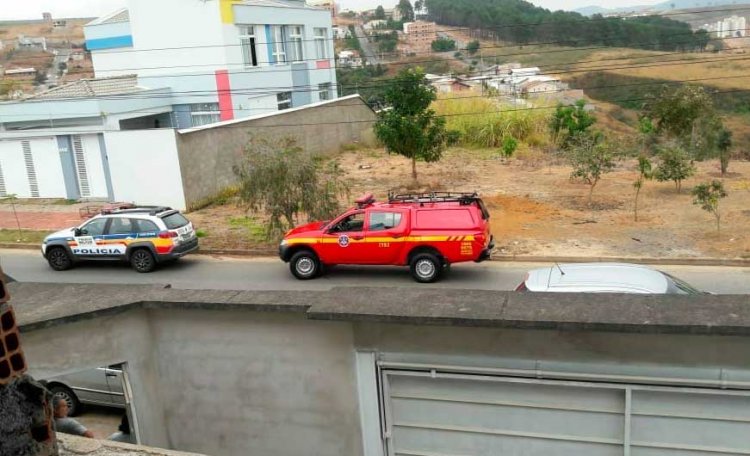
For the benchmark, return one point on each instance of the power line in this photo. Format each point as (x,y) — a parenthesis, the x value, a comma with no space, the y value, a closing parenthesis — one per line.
(502,26)
(385,83)
(549,51)
(338,106)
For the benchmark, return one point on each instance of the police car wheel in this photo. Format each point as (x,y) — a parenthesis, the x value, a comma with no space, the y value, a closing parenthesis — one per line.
(425,268)
(142,261)
(304,265)
(58,259)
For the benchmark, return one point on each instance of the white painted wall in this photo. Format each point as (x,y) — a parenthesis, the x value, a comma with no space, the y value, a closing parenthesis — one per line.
(49,175)
(145,168)
(14,169)
(94,166)
(191,30)
(247,107)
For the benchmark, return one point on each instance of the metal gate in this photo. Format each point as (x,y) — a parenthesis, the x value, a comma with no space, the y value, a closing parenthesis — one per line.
(443,414)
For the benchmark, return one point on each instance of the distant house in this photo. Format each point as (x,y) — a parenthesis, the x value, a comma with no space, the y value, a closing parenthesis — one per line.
(376,24)
(349,59)
(60,24)
(420,35)
(341,32)
(20,72)
(519,73)
(393,13)
(450,85)
(27,43)
(47,17)
(536,87)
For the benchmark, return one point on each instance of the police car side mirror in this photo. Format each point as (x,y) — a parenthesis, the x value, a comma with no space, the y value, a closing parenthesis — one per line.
(78,232)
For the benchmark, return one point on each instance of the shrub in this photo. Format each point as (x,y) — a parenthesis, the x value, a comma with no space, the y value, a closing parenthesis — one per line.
(481,122)
(674,166)
(278,177)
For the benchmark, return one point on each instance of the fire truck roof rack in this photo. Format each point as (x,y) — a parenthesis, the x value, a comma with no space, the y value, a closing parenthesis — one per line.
(433,197)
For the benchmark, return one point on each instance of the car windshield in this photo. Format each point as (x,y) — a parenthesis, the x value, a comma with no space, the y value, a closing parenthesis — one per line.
(175,220)
(677,286)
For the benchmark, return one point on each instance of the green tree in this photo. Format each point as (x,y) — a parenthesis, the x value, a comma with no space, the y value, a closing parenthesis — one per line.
(723,146)
(644,173)
(708,196)
(472,47)
(686,114)
(278,177)
(380,13)
(409,128)
(443,45)
(406,10)
(568,122)
(674,165)
(590,158)
(418,5)
(702,38)
(647,136)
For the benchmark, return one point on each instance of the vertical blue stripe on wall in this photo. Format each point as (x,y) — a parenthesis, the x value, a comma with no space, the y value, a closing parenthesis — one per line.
(269,44)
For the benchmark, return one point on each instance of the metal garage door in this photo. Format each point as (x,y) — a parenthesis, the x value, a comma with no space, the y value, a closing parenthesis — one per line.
(435,414)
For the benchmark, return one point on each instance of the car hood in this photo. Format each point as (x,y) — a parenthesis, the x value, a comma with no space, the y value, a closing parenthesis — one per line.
(304,229)
(66,233)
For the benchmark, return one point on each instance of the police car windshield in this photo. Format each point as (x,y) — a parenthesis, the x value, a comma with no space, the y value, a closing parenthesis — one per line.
(174,221)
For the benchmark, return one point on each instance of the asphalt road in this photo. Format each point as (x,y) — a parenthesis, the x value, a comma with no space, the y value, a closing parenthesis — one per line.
(222,273)
(367,45)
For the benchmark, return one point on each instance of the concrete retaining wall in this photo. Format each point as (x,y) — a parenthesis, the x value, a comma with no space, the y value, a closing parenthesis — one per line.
(277,373)
(207,154)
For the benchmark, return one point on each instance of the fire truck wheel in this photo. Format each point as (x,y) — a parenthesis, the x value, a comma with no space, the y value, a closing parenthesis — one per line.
(304,265)
(426,268)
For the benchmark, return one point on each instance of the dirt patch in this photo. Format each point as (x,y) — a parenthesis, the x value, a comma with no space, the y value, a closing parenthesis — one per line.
(537,210)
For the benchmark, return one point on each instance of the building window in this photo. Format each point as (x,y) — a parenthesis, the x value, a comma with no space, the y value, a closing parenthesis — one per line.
(295,43)
(324,91)
(321,46)
(204,113)
(279,44)
(247,43)
(284,99)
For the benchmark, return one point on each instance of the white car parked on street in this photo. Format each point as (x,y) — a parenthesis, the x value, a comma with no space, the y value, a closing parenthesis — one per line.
(604,278)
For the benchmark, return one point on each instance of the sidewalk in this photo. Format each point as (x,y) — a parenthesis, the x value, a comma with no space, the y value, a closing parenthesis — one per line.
(39,218)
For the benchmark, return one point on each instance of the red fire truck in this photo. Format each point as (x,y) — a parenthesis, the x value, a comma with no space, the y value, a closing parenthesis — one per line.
(427,232)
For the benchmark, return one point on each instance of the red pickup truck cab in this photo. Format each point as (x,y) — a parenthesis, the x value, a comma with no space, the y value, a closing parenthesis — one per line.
(427,232)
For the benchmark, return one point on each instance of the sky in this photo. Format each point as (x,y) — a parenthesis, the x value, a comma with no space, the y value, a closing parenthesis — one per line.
(32,9)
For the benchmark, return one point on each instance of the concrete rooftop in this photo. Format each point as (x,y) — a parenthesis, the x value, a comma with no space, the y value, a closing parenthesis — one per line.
(43,305)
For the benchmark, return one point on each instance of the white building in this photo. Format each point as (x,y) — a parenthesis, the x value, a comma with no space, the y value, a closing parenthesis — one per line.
(350,59)
(341,32)
(733,26)
(376,24)
(519,73)
(225,59)
(160,66)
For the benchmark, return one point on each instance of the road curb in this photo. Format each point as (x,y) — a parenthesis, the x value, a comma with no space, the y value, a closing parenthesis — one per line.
(732,262)
(19,246)
(638,260)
